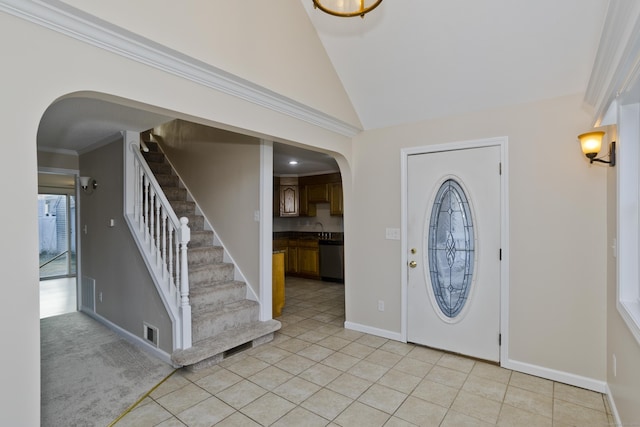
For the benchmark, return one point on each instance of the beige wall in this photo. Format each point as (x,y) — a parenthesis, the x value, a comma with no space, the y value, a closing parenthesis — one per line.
(557,312)
(110,255)
(222,172)
(558,243)
(270,43)
(51,160)
(73,66)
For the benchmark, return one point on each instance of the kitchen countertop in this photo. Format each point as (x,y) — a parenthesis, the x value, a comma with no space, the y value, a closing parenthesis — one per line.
(309,235)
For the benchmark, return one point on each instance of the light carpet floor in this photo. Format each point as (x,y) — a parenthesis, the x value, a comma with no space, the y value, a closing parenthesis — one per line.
(89,374)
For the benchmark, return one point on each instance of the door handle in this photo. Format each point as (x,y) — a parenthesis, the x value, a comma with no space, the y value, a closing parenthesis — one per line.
(413,264)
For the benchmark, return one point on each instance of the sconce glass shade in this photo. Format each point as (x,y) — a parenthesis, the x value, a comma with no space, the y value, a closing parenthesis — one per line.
(84,181)
(591,143)
(346,8)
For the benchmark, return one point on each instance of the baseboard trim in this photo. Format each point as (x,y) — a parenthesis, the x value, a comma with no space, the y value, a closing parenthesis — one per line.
(612,406)
(555,375)
(374,331)
(133,339)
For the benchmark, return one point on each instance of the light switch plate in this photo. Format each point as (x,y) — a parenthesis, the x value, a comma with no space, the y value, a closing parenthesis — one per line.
(392,234)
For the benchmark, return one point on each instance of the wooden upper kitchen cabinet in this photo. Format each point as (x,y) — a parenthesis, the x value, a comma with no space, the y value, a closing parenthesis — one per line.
(335,202)
(317,193)
(293,196)
(289,197)
(306,208)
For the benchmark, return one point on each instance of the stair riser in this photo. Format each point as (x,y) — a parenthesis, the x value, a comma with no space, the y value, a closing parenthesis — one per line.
(211,325)
(175,194)
(167,180)
(154,157)
(214,297)
(200,239)
(160,168)
(215,273)
(196,222)
(203,256)
(183,208)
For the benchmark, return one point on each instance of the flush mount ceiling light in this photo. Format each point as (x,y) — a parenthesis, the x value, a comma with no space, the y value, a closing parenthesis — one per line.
(591,143)
(346,8)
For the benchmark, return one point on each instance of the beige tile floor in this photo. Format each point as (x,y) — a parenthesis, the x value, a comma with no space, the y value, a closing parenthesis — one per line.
(316,373)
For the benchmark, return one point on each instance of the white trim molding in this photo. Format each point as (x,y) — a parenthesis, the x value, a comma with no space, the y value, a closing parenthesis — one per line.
(373,331)
(555,375)
(60,17)
(617,63)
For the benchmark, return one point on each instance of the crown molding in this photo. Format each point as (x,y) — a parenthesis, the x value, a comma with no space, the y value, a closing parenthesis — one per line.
(60,17)
(616,68)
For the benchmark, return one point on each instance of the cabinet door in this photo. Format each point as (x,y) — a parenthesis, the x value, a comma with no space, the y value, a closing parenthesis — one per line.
(292,257)
(308,261)
(318,193)
(289,200)
(306,208)
(335,206)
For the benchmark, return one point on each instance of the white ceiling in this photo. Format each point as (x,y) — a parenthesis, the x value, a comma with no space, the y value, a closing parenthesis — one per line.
(408,61)
(413,60)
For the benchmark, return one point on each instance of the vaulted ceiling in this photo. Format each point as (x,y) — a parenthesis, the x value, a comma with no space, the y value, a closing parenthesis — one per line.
(414,60)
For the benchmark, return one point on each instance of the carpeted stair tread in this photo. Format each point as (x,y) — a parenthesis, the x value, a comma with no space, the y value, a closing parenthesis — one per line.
(210,347)
(212,273)
(162,168)
(216,295)
(209,322)
(205,255)
(153,157)
(183,207)
(200,238)
(167,180)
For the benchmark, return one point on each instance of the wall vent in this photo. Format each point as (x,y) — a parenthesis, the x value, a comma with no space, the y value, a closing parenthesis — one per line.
(88,294)
(150,334)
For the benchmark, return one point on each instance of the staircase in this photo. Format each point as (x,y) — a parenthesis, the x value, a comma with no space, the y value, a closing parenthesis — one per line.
(223,320)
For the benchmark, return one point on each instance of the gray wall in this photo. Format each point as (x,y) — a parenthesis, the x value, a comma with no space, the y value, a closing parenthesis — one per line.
(110,255)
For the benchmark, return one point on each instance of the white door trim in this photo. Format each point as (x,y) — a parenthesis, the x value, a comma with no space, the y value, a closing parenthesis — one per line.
(502,142)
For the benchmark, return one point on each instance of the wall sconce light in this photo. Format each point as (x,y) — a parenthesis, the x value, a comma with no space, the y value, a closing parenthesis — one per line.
(88,184)
(591,143)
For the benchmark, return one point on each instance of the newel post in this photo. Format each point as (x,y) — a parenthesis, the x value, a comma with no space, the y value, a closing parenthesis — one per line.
(185,308)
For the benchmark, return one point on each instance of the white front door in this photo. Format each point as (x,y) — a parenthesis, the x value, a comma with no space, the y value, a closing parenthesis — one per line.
(453,237)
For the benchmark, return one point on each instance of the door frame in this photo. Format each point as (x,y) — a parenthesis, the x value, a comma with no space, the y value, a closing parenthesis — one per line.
(501,142)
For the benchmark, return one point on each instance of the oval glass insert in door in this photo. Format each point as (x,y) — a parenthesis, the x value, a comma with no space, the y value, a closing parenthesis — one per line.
(451,249)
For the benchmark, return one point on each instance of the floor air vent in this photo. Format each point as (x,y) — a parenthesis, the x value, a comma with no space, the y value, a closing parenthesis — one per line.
(151,334)
(88,291)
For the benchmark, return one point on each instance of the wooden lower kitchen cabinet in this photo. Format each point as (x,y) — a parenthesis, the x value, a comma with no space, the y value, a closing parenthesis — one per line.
(303,258)
(308,258)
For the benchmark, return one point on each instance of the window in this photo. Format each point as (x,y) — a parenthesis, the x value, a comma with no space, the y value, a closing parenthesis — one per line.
(628,235)
(451,248)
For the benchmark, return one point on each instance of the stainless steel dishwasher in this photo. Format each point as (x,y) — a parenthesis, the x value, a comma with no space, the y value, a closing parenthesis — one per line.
(331,260)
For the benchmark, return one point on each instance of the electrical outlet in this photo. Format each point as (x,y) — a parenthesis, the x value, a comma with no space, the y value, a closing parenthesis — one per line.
(614,366)
(380,305)
(100,296)
(256,216)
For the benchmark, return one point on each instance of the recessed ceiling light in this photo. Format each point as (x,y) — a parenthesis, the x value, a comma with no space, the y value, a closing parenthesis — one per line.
(293,162)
